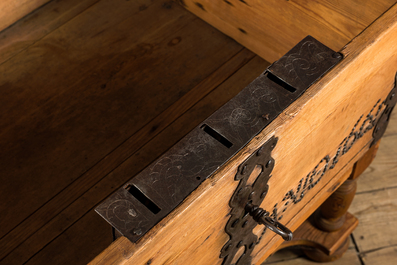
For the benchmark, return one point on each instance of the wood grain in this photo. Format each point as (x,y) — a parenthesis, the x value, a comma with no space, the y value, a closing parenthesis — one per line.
(279,25)
(299,129)
(13,10)
(33,27)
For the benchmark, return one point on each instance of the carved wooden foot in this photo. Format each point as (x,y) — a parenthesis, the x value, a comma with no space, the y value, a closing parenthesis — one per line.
(325,235)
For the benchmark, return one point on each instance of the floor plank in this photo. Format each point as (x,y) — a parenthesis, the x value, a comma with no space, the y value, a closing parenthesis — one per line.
(377,213)
(382,172)
(384,256)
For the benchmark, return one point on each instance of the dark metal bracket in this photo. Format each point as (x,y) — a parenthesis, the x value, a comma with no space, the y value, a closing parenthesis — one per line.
(151,195)
(253,175)
(383,121)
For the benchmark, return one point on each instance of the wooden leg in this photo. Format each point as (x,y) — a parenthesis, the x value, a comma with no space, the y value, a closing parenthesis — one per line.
(327,231)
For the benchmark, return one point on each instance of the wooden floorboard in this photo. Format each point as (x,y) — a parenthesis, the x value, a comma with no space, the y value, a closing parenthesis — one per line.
(384,256)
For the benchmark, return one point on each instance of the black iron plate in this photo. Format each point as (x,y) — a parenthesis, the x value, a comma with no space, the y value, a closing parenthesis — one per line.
(148,197)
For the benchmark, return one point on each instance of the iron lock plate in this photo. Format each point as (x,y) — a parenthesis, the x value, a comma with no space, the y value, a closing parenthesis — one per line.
(240,225)
(152,194)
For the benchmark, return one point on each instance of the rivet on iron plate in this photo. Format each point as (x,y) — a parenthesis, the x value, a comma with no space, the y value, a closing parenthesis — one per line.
(235,223)
(265,116)
(336,55)
(268,163)
(137,231)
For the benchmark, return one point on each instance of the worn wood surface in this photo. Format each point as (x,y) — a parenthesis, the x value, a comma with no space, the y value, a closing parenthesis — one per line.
(30,29)
(13,10)
(332,98)
(279,25)
(70,113)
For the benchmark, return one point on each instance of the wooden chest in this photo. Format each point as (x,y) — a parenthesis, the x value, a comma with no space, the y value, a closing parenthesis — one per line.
(101,89)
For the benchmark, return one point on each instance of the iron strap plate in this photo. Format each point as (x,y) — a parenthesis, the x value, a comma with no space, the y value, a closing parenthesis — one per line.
(152,194)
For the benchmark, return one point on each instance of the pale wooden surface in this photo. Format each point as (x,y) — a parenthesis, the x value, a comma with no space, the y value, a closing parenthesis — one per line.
(299,128)
(13,10)
(375,205)
(278,25)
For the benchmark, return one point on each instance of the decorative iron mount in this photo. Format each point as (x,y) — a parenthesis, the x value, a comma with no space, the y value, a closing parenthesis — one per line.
(151,195)
(246,214)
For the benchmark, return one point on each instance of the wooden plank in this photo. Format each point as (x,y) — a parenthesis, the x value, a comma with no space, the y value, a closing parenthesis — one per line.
(73,218)
(378,219)
(318,121)
(279,25)
(11,10)
(93,235)
(66,125)
(38,24)
(384,256)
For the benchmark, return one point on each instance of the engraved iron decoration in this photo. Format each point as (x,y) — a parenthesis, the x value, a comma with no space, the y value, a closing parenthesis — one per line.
(151,195)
